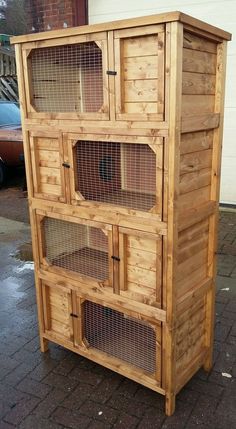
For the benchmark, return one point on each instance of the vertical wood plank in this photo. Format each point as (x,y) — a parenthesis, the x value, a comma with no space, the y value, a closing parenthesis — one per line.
(110,253)
(159,273)
(115,234)
(215,190)
(111,79)
(161,65)
(104,47)
(118,82)
(123,261)
(64,154)
(46,307)
(170,242)
(29,178)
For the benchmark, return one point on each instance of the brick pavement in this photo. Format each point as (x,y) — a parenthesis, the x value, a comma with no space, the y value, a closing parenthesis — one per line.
(59,389)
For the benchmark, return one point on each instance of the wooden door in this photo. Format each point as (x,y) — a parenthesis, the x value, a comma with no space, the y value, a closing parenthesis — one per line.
(139,64)
(57,313)
(47,159)
(140,270)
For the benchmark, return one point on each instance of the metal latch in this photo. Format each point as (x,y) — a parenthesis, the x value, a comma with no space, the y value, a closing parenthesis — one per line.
(115,258)
(66,165)
(74,315)
(111,72)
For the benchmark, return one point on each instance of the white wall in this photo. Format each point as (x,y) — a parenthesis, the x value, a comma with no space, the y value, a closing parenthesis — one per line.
(221,13)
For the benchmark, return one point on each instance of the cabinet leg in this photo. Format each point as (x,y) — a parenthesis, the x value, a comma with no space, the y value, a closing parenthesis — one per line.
(170,404)
(208,364)
(43,344)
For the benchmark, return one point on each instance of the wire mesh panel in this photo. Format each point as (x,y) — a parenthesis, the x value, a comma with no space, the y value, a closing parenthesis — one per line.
(120,336)
(116,173)
(75,247)
(67,78)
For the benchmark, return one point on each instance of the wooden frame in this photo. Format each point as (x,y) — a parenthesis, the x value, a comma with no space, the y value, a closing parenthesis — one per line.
(162,262)
(155,144)
(101,41)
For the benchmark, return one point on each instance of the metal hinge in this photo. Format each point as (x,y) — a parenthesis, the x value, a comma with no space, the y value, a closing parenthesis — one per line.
(74,315)
(115,258)
(66,165)
(111,72)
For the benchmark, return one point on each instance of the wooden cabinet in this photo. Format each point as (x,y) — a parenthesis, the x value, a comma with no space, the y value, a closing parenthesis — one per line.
(122,127)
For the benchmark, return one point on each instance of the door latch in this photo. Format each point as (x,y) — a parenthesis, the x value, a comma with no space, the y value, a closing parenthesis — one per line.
(111,72)
(66,165)
(115,258)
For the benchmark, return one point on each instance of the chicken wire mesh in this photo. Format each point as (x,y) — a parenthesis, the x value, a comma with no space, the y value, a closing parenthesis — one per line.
(120,336)
(117,173)
(67,78)
(75,247)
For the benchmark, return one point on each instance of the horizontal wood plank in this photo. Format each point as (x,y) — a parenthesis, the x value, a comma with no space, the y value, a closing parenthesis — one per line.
(191,181)
(140,46)
(140,90)
(140,67)
(195,161)
(197,105)
(199,62)
(198,84)
(194,142)
(192,41)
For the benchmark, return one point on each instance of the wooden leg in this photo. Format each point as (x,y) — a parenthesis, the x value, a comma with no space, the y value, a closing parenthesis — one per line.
(43,345)
(170,404)
(208,364)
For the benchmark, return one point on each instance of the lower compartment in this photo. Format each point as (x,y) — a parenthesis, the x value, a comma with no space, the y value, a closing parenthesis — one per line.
(121,340)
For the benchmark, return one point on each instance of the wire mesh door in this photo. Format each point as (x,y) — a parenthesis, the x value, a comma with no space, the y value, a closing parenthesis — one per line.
(121,174)
(69,78)
(77,249)
(120,336)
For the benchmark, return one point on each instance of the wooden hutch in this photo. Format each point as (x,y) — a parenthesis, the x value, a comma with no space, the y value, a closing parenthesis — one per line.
(122,126)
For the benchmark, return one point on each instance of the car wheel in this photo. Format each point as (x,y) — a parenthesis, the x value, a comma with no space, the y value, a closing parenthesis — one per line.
(2,173)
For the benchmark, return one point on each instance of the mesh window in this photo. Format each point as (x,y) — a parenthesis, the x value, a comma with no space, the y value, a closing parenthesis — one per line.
(79,248)
(116,173)
(120,336)
(67,78)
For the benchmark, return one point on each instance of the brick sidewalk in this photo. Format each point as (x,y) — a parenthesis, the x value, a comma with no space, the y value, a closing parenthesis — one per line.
(62,390)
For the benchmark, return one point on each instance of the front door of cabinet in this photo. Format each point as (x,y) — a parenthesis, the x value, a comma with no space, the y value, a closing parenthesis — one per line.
(57,312)
(119,174)
(68,80)
(48,173)
(139,64)
(140,266)
(76,248)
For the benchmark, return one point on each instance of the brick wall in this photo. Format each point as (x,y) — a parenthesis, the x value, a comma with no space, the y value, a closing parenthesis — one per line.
(43,15)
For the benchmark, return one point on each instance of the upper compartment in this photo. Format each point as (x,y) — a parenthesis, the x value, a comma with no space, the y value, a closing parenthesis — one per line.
(105,76)
(68,79)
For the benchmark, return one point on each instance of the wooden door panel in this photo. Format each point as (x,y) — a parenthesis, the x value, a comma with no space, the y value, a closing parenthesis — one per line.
(57,309)
(140,267)
(139,63)
(47,170)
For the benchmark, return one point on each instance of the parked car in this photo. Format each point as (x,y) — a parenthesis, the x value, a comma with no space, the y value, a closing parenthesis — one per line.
(11,144)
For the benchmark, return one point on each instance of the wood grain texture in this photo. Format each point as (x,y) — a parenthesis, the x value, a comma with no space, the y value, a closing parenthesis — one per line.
(165,92)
